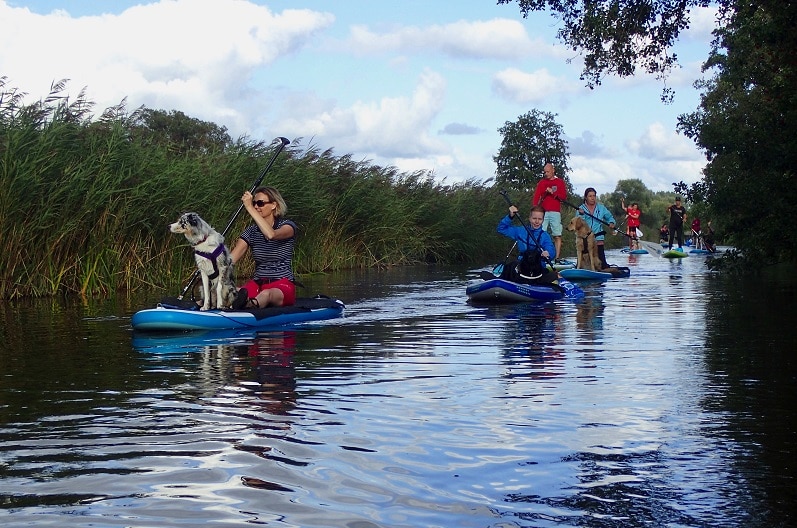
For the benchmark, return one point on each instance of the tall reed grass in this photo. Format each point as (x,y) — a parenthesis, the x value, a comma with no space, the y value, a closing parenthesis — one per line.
(85,203)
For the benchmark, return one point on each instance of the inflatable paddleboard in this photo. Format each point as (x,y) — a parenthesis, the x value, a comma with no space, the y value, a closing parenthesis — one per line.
(674,253)
(504,291)
(582,274)
(613,272)
(164,318)
(652,248)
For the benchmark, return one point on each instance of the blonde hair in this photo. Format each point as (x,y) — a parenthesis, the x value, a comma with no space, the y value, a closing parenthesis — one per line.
(274,196)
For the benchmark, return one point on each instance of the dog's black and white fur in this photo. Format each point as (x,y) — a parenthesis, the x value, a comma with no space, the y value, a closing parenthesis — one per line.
(212,259)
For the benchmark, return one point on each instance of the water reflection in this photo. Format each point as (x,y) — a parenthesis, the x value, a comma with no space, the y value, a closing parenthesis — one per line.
(664,399)
(531,334)
(752,381)
(589,316)
(266,366)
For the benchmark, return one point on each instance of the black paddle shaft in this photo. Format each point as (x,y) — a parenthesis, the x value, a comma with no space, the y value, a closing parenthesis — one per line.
(580,210)
(282,143)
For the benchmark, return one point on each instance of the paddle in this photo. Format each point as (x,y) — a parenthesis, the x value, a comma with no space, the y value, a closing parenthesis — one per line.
(531,233)
(698,240)
(651,248)
(282,143)
(499,268)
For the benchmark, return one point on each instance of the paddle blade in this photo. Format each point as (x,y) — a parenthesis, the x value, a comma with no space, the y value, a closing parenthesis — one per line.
(639,233)
(571,291)
(486,275)
(653,249)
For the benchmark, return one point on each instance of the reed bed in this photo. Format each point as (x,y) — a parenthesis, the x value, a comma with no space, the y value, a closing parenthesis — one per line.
(85,203)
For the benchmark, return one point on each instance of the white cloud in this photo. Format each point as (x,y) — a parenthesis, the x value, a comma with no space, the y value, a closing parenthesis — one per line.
(702,21)
(658,143)
(195,55)
(350,82)
(494,39)
(604,173)
(660,158)
(394,127)
(535,87)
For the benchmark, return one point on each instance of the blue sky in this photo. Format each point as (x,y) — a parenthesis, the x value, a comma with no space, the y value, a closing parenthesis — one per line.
(420,85)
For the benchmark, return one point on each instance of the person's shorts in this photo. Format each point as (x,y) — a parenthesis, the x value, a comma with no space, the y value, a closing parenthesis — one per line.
(286,286)
(552,219)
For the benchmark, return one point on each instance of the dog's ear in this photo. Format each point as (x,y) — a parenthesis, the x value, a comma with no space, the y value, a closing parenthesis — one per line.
(192,219)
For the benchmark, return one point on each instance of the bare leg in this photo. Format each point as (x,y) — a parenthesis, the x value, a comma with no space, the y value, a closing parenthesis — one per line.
(269,297)
(557,243)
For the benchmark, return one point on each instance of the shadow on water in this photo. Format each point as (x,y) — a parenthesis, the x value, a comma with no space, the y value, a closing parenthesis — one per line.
(753,376)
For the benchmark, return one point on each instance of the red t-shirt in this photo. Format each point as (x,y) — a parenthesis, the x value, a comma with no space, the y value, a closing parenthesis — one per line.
(633,217)
(549,200)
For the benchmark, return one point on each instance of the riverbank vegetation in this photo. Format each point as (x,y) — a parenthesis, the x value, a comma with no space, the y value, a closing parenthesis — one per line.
(85,202)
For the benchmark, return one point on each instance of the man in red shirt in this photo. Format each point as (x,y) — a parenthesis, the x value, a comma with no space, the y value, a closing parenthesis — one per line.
(549,193)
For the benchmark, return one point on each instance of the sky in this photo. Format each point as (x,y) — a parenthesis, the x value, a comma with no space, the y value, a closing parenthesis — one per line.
(416,84)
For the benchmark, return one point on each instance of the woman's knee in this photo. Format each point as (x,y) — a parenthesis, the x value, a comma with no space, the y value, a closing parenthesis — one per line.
(270,297)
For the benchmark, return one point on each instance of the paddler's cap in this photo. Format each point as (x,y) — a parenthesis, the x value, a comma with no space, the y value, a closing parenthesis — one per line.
(677,198)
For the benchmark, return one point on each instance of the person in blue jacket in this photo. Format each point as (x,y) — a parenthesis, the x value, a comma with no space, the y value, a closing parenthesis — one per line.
(534,244)
(596,216)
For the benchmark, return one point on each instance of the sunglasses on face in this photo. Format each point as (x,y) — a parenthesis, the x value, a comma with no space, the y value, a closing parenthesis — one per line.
(260,203)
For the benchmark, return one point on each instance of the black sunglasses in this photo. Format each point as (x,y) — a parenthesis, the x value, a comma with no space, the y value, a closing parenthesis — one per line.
(260,203)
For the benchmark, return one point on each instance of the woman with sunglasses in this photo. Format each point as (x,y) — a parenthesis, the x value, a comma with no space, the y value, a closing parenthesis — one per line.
(271,239)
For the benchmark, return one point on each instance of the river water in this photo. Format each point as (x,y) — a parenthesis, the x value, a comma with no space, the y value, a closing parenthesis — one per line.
(664,399)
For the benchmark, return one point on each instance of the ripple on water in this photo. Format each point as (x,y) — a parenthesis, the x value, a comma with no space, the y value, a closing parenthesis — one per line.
(415,409)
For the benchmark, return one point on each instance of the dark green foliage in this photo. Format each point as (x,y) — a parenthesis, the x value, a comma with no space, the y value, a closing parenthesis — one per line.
(528,143)
(746,124)
(748,112)
(617,37)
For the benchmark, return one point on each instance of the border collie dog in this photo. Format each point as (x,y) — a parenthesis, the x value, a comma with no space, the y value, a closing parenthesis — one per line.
(212,260)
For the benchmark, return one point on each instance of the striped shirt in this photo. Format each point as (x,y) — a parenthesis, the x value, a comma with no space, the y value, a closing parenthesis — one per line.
(272,257)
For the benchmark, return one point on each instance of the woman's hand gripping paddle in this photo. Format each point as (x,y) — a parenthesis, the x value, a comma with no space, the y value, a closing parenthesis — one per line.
(282,143)
(650,247)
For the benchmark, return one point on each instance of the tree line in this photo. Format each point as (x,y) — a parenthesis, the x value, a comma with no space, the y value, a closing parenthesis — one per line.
(748,111)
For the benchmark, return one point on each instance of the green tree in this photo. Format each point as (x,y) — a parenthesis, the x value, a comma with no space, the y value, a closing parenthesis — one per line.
(528,143)
(747,126)
(181,132)
(619,36)
(746,119)
(631,190)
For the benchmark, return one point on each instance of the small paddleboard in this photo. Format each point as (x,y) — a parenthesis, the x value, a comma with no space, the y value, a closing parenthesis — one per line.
(574,274)
(700,252)
(502,291)
(562,265)
(638,252)
(674,253)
